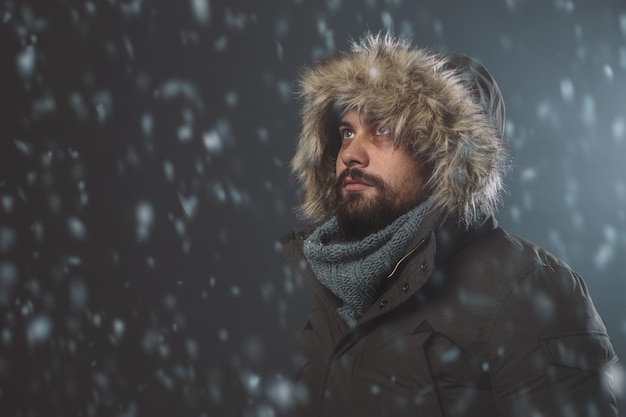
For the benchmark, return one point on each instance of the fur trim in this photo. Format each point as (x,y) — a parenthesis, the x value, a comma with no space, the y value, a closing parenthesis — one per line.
(431,108)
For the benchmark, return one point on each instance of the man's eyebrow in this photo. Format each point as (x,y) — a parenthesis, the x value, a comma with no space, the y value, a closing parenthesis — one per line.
(344,123)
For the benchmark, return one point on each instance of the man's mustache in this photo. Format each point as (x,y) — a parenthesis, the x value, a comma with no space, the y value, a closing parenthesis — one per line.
(358,174)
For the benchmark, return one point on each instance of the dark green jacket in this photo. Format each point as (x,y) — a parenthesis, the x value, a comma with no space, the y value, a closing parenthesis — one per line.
(472,323)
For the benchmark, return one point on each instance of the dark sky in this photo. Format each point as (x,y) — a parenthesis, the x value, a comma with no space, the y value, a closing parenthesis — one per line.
(144,181)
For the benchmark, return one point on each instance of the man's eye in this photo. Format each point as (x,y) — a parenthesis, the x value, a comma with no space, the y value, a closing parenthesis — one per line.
(346,134)
(383,130)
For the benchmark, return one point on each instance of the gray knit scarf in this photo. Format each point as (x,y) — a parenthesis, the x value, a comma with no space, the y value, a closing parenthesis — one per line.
(353,270)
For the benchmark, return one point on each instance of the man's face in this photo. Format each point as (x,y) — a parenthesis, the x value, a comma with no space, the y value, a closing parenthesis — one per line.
(377,181)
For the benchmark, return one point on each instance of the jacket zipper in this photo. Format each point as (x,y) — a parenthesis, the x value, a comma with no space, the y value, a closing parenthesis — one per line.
(409,253)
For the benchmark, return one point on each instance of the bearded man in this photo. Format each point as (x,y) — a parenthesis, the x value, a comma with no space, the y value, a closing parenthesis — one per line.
(422,305)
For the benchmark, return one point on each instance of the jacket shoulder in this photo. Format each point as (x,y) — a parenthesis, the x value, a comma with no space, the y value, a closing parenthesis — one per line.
(547,342)
(504,283)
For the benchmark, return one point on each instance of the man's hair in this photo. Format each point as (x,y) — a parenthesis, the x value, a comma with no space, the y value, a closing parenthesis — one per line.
(446,109)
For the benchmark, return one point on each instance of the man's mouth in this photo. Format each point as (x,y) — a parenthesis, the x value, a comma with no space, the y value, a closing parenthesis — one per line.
(350,184)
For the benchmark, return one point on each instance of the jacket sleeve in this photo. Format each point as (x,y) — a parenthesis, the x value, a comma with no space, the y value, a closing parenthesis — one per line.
(549,352)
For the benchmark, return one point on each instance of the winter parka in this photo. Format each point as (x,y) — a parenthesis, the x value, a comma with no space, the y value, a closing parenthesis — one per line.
(472,321)
(475,323)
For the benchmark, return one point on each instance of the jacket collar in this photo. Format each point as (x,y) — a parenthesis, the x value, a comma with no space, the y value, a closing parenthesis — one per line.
(436,245)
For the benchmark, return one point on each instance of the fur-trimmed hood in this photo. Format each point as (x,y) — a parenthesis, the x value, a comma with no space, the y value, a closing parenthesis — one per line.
(447,109)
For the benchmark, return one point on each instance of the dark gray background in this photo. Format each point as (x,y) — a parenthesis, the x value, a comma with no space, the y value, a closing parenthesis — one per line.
(144,149)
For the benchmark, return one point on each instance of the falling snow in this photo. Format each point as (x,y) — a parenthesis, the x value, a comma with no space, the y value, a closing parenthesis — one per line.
(145,180)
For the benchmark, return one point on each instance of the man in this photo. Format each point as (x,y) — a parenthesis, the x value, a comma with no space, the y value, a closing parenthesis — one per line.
(422,305)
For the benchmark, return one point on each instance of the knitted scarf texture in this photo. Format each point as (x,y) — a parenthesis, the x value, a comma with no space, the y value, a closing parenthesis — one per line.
(353,270)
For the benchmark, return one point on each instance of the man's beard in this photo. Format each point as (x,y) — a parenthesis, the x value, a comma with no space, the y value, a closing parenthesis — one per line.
(358,215)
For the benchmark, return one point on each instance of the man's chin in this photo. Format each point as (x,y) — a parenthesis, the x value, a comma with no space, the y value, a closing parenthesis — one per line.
(359,216)
(357,204)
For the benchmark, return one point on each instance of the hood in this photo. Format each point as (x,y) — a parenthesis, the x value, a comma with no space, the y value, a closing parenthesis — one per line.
(446,109)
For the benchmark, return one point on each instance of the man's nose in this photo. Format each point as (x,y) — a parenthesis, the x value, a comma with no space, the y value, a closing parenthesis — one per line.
(355,153)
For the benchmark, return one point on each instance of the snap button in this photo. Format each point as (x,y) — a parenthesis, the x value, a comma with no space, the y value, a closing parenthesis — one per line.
(424,265)
(382,304)
(405,287)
